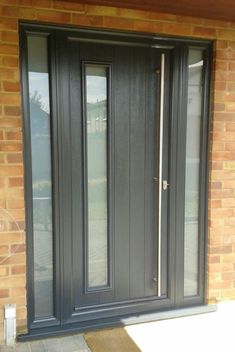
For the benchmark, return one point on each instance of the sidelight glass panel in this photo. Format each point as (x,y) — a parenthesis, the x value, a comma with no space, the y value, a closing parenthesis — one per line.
(194,113)
(38,78)
(96,77)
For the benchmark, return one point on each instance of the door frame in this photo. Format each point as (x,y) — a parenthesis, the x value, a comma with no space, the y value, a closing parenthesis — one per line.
(177,49)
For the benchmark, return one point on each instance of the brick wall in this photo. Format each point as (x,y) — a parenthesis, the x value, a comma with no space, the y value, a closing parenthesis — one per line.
(221,251)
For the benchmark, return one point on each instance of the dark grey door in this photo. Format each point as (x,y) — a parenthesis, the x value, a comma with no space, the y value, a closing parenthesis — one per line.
(107,125)
(111,162)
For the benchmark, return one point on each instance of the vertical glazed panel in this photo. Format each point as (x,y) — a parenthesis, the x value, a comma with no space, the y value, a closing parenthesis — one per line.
(40,136)
(194,115)
(96,79)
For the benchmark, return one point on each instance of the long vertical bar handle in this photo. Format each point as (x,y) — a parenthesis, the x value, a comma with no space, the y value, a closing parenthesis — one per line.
(160,171)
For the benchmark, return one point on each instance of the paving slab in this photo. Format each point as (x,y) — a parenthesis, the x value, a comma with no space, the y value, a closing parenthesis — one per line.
(73,343)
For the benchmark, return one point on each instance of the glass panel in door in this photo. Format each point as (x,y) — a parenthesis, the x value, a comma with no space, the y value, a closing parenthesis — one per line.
(40,127)
(96,81)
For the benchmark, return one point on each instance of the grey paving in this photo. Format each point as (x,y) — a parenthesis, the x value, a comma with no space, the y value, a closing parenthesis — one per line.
(73,343)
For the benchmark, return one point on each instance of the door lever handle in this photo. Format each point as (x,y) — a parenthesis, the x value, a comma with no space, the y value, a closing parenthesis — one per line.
(155,179)
(165,185)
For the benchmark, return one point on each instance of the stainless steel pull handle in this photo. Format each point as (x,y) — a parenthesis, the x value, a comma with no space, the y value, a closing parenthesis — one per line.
(160,184)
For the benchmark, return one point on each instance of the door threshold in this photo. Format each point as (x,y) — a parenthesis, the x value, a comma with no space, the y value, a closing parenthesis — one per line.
(115,322)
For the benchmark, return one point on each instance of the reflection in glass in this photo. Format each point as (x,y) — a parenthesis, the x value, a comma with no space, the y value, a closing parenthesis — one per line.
(195,86)
(96,119)
(41,175)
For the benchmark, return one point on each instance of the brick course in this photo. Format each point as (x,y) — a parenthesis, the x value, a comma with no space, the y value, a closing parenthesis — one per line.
(221,245)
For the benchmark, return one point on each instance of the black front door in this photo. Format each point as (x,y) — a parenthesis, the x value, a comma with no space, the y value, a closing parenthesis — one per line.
(115,134)
(110,103)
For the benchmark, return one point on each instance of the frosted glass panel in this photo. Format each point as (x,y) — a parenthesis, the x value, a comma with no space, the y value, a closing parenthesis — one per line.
(38,77)
(96,119)
(192,172)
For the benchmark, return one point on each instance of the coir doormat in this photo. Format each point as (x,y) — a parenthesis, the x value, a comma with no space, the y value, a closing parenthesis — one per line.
(110,340)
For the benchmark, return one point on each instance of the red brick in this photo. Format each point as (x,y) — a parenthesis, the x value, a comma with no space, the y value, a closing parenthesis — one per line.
(11,170)
(178,29)
(228,276)
(4,250)
(224,116)
(225,54)
(10,61)
(12,110)
(11,86)
(220,86)
(228,203)
(12,237)
(205,32)
(4,271)
(9,99)
(18,248)
(18,269)
(216,165)
(216,146)
(221,194)
(224,76)
(18,258)
(69,6)
(10,11)
(10,147)
(12,282)
(150,27)
(87,20)
(53,16)
(230,126)
(9,49)
(216,185)
(221,66)
(42,3)
(14,135)
(101,10)
(4,293)
(14,158)
(221,44)
(230,107)
(10,122)
(133,14)
(229,184)
(6,73)
(10,37)
(27,13)
(226,155)
(118,23)
(225,96)
(215,203)
(159,16)
(231,66)
(15,181)
(230,146)
(17,225)
(219,107)
(15,204)
(8,23)
(18,292)
(222,212)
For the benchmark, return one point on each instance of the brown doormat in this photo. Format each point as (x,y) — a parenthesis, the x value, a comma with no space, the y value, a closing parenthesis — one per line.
(110,340)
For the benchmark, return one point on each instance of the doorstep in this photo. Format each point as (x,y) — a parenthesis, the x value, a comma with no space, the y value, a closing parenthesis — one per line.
(77,343)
